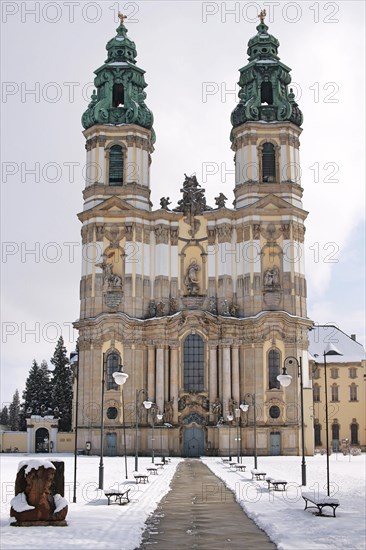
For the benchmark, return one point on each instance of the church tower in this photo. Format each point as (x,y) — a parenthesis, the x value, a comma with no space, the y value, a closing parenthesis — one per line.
(201,304)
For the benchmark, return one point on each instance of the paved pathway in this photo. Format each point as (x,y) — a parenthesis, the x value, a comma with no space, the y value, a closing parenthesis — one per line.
(200,512)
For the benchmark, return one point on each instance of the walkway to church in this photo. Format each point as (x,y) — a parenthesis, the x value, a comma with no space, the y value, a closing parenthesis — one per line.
(200,512)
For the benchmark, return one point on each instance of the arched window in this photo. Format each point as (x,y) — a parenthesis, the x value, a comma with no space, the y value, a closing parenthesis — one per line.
(317,434)
(194,363)
(335,431)
(353,392)
(118,99)
(273,369)
(113,362)
(268,163)
(116,165)
(316,393)
(267,93)
(354,433)
(335,392)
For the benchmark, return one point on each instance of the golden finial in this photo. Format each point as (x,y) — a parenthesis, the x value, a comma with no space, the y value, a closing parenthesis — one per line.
(262,15)
(121,17)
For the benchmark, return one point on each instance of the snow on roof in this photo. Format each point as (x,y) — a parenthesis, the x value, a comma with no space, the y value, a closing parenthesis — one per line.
(323,335)
(34,464)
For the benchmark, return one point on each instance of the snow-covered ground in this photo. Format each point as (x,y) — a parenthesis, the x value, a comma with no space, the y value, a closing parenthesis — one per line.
(94,525)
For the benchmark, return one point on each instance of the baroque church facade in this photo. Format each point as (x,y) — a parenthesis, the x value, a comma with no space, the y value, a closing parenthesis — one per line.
(200,304)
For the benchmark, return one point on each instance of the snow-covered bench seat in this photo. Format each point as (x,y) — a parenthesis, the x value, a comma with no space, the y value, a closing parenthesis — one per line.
(118,495)
(320,502)
(275,483)
(258,474)
(141,478)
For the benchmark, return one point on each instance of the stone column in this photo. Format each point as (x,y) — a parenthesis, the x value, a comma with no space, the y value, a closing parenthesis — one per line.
(212,376)
(235,373)
(226,379)
(174,378)
(151,371)
(159,384)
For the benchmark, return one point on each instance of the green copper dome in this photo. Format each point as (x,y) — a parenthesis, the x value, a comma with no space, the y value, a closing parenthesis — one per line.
(264,93)
(119,97)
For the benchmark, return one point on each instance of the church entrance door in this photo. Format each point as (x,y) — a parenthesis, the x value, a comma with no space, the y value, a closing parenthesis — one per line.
(275,443)
(193,441)
(111,449)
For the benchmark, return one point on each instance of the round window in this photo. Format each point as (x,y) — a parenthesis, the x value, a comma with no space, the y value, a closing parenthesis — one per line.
(274,411)
(112,413)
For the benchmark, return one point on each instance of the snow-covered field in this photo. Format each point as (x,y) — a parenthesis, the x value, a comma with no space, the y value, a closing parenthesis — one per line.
(94,525)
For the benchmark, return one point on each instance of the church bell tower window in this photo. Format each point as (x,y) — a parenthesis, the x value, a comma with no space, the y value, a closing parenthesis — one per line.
(266,93)
(116,165)
(118,99)
(268,163)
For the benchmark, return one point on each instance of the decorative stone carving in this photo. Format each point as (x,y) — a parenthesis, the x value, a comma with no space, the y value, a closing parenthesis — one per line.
(152,308)
(114,234)
(192,203)
(194,417)
(232,405)
(286,230)
(239,234)
(110,279)
(247,233)
(39,494)
(129,231)
(234,310)
(147,235)
(256,228)
(138,233)
(220,200)
(224,232)
(191,280)
(211,235)
(271,278)
(161,234)
(173,306)
(160,308)
(112,299)
(164,203)
(99,232)
(174,236)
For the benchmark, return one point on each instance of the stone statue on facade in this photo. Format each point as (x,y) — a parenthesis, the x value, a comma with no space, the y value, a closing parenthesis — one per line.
(271,278)
(160,307)
(234,310)
(212,308)
(225,308)
(191,280)
(164,203)
(216,408)
(173,306)
(220,200)
(169,411)
(232,406)
(110,279)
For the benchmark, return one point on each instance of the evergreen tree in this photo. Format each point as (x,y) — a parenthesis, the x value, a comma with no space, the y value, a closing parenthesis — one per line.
(37,393)
(62,386)
(14,413)
(4,416)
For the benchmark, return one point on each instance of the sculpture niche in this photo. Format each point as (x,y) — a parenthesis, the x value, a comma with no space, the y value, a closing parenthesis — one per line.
(191,280)
(39,494)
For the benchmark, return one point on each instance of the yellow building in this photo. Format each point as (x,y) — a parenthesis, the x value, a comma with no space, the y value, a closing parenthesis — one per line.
(346,388)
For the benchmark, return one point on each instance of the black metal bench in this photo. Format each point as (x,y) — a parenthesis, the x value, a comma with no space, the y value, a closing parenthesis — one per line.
(320,502)
(141,478)
(275,484)
(117,495)
(258,474)
(152,470)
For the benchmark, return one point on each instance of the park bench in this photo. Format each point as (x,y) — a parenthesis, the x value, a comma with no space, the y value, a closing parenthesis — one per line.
(152,470)
(320,502)
(160,465)
(258,474)
(275,484)
(141,478)
(118,495)
(232,465)
(240,467)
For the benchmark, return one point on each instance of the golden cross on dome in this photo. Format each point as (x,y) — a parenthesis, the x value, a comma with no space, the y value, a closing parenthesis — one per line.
(121,17)
(262,15)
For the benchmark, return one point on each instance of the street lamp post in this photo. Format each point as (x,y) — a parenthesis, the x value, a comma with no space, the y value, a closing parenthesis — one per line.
(237,418)
(245,407)
(230,419)
(285,380)
(120,378)
(149,405)
(101,464)
(138,393)
(160,417)
(329,350)
(74,362)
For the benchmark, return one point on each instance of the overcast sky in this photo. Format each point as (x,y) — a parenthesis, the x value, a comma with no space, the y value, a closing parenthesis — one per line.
(191,52)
